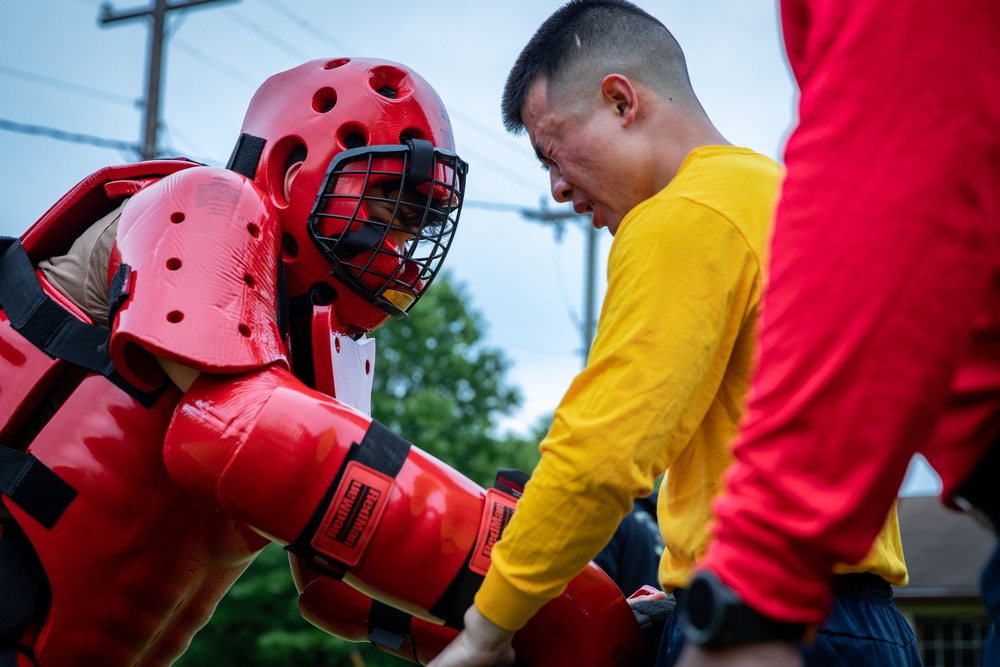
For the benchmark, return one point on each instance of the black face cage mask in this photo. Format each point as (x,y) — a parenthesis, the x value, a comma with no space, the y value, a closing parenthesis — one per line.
(418,210)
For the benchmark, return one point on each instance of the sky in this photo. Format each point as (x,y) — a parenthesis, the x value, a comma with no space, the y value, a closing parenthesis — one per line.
(62,72)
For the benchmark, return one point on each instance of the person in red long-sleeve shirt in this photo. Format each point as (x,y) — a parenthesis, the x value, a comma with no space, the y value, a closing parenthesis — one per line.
(880,325)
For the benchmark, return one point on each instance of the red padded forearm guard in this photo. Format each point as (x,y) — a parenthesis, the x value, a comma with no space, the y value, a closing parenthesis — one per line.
(302,468)
(348,496)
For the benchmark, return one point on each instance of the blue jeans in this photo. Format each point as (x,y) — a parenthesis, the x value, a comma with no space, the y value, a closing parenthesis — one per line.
(20,581)
(864,629)
(990,584)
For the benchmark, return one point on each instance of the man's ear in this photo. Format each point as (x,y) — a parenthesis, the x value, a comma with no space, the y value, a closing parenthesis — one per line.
(289,175)
(619,91)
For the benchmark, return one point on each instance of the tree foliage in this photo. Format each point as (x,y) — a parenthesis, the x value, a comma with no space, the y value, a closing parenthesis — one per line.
(437,385)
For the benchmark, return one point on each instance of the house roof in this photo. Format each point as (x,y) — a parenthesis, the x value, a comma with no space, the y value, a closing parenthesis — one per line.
(945,550)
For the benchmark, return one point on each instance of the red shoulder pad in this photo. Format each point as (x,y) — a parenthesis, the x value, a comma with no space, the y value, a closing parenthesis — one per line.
(200,252)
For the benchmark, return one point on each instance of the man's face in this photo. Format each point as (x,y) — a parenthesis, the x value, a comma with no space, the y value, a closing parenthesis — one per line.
(578,143)
(403,220)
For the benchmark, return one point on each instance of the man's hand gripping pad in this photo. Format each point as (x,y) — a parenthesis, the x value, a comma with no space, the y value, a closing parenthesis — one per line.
(589,625)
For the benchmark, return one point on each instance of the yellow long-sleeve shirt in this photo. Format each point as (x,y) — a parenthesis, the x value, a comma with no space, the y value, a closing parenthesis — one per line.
(663,389)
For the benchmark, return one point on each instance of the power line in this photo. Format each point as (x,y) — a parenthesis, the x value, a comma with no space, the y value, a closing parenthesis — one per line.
(77,88)
(558,218)
(214,62)
(25,128)
(261,31)
(308,26)
(130,150)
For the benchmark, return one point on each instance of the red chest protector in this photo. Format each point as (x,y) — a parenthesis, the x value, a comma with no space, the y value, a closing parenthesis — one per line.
(135,564)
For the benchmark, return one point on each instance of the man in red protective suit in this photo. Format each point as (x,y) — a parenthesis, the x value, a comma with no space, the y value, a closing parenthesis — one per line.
(185,375)
(880,334)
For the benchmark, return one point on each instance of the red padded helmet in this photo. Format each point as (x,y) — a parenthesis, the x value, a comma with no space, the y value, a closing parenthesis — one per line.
(372,211)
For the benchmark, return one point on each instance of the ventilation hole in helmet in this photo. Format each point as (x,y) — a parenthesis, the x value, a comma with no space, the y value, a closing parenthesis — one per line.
(245,330)
(173,264)
(177,217)
(253,229)
(285,153)
(175,316)
(324,99)
(297,154)
(248,279)
(289,248)
(368,367)
(336,345)
(355,140)
(390,81)
(334,64)
(322,294)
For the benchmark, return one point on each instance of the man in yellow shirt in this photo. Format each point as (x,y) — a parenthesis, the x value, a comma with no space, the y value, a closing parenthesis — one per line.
(603,92)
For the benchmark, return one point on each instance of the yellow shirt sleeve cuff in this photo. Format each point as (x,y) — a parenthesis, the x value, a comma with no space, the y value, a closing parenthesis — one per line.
(499,601)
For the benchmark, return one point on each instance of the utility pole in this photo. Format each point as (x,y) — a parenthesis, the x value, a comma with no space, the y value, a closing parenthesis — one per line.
(557,218)
(158,13)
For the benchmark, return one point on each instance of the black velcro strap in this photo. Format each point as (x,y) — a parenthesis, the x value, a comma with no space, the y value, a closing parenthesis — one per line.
(50,327)
(380,450)
(383,617)
(389,629)
(118,290)
(246,155)
(458,597)
(497,512)
(33,487)
(41,320)
(421,162)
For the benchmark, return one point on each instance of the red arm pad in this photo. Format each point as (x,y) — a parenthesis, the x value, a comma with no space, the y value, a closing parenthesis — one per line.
(269,449)
(589,625)
(303,469)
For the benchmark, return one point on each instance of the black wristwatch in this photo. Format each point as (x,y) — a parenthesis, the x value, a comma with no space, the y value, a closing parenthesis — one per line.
(718,618)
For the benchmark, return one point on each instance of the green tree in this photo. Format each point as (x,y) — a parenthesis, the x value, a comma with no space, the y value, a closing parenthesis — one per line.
(437,385)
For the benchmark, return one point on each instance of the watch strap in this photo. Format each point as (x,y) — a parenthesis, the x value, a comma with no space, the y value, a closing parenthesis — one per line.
(718,618)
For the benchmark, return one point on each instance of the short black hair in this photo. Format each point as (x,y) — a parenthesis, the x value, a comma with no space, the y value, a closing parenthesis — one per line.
(590,35)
